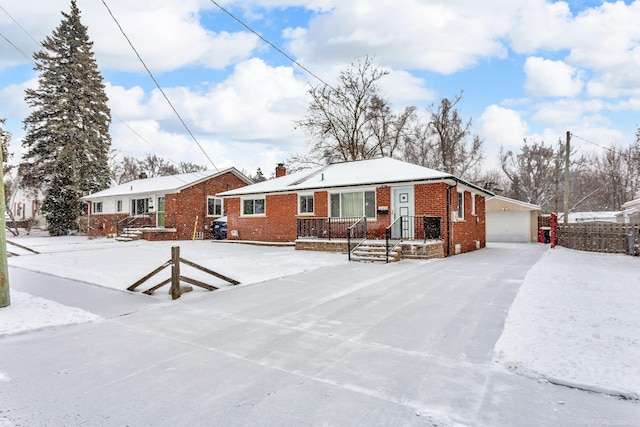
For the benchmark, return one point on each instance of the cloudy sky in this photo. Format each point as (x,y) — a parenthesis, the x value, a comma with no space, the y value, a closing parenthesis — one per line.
(528,68)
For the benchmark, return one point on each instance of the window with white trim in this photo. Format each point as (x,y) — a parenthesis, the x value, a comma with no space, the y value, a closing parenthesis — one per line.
(97,207)
(305,204)
(118,205)
(215,206)
(460,211)
(473,203)
(253,206)
(353,204)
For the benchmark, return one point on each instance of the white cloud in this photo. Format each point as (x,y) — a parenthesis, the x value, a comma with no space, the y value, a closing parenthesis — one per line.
(442,37)
(501,126)
(551,78)
(567,111)
(402,87)
(256,106)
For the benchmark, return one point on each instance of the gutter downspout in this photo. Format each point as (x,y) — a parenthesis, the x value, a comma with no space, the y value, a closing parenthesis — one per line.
(449,222)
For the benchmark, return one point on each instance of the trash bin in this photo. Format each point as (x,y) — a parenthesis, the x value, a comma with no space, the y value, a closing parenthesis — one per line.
(545,235)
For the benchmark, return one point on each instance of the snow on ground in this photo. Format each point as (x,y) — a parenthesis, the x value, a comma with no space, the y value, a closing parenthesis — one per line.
(27,313)
(112,264)
(574,322)
(117,265)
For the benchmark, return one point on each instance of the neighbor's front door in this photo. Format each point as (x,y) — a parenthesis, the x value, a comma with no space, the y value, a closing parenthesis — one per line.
(403,206)
(160,213)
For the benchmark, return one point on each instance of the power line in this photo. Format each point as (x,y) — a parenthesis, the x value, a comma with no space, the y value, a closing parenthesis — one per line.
(283,53)
(35,64)
(18,24)
(18,49)
(596,144)
(159,87)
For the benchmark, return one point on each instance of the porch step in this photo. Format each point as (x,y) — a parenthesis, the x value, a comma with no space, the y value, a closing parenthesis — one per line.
(129,235)
(374,251)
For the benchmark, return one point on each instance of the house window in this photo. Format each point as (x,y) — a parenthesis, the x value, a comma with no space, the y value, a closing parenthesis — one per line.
(139,206)
(460,205)
(353,204)
(473,203)
(97,207)
(253,207)
(305,204)
(118,205)
(214,206)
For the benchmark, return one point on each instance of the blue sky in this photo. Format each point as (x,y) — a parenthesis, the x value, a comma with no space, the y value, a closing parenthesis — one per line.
(529,69)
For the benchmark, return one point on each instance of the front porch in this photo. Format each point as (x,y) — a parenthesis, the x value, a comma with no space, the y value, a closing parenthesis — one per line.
(408,237)
(409,249)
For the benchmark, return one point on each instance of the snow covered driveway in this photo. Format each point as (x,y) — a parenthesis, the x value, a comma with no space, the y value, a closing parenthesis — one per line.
(409,343)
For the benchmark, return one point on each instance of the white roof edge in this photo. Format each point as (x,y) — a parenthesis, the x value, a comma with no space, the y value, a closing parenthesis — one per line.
(516,202)
(172,189)
(631,203)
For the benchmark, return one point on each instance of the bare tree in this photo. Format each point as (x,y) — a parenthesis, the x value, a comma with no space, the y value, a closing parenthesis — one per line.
(352,121)
(530,173)
(446,142)
(129,168)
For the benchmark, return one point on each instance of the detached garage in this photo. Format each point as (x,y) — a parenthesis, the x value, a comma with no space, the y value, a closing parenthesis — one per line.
(510,220)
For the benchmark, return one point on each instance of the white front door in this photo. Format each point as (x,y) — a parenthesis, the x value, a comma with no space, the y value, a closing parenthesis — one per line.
(403,206)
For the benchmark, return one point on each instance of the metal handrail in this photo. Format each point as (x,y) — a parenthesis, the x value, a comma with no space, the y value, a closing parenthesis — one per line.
(324,227)
(388,236)
(351,230)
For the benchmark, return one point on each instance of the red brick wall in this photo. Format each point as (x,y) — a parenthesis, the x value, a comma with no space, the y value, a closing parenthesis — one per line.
(104,225)
(278,225)
(189,207)
(377,229)
(473,228)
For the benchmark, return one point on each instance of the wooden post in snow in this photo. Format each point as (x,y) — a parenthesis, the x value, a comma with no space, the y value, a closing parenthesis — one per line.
(175,272)
(5,300)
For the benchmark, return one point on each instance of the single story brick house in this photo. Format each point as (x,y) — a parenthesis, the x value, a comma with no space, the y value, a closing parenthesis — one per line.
(379,191)
(162,208)
(510,220)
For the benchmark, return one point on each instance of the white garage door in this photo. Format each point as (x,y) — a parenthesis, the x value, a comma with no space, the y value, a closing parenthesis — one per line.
(509,226)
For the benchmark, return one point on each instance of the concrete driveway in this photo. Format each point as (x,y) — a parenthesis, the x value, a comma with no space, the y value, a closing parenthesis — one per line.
(402,344)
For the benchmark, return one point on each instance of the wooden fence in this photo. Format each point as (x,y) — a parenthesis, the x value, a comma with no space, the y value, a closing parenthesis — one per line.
(600,237)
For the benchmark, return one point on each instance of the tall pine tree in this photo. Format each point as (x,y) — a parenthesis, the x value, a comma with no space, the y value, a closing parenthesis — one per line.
(67,140)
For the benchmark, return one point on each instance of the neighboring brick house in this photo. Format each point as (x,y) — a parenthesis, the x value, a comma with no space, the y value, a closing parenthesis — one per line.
(381,190)
(163,208)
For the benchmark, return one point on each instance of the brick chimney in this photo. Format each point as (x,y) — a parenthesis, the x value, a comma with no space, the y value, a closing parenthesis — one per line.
(143,175)
(280,170)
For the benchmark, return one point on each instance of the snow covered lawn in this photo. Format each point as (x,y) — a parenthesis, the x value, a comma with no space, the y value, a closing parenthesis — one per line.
(117,265)
(575,322)
(27,313)
(108,263)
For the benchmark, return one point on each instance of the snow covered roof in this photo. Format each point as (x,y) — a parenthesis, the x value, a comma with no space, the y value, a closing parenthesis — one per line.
(601,216)
(162,184)
(631,204)
(384,170)
(515,202)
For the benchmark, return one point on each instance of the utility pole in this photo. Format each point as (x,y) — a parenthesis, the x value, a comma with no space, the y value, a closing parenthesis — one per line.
(565,220)
(5,301)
